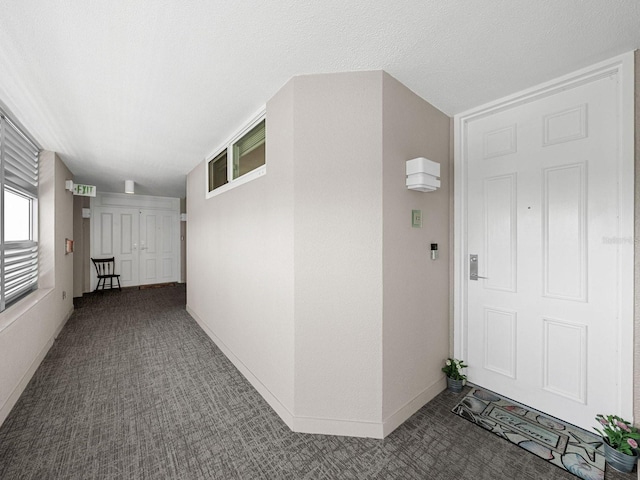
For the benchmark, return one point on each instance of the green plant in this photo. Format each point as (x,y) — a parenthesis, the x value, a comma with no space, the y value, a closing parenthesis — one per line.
(452,369)
(618,433)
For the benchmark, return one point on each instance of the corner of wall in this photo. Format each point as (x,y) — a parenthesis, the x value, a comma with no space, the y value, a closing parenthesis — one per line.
(63,230)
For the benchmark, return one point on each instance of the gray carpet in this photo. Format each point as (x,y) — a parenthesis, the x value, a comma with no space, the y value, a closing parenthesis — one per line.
(133,388)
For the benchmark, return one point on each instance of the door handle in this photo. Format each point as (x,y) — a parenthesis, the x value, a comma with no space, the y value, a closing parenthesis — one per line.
(473,268)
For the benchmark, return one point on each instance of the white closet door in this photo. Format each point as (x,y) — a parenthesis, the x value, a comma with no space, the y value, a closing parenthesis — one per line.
(141,232)
(158,249)
(116,232)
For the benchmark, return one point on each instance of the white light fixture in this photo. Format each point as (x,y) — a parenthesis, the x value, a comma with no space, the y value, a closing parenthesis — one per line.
(129,186)
(423,175)
(68,185)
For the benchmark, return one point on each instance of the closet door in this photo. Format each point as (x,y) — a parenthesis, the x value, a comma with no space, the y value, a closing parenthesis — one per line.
(141,232)
(158,247)
(116,233)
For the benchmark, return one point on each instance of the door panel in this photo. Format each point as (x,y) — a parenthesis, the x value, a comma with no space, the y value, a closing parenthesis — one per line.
(564,229)
(105,247)
(127,260)
(500,232)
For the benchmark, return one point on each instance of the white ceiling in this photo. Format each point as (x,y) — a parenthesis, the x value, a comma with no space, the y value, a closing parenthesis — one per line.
(144,90)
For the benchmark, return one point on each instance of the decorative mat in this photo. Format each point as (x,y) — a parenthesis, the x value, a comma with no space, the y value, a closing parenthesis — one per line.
(575,450)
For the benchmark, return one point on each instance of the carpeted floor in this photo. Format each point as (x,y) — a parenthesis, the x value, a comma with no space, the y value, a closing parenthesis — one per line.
(133,388)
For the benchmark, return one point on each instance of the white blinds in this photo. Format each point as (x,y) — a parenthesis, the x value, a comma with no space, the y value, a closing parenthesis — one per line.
(19,176)
(20,160)
(20,271)
(252,140)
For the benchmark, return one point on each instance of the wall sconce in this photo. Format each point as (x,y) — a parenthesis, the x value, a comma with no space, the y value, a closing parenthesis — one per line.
(68,185)
(423,175)
(129,186)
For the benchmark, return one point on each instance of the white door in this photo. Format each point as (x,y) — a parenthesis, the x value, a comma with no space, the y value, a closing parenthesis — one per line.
(116,235)
(158,260)
(141,232)
(546,327)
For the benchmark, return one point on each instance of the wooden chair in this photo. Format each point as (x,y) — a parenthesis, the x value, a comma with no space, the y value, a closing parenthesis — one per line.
(105,267)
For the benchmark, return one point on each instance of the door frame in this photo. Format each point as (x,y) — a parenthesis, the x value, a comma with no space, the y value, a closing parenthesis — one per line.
(623,67)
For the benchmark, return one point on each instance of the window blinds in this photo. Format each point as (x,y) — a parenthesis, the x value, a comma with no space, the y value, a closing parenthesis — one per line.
(19,175)
(252,140)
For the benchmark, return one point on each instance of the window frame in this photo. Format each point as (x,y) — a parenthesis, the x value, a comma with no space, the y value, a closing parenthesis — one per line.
(211,170)
(22,255)
(228,147)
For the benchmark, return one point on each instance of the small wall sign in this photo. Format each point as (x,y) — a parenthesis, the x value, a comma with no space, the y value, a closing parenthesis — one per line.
(84,190)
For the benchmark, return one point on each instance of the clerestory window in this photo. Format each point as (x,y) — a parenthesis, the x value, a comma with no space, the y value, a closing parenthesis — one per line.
(240,160)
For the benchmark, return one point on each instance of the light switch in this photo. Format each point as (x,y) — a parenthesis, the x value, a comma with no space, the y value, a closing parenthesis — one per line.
(416,218)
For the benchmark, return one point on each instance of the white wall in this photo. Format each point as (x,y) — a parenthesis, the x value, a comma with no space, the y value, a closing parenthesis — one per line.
(240,264)
(416,288)
(28,328)
(304,275)
(338,251)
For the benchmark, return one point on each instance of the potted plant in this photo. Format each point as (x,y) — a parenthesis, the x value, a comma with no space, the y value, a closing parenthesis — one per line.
(453,370)
(620,442)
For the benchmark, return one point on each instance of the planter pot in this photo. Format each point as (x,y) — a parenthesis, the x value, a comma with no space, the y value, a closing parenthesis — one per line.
(454,386)
(618,460)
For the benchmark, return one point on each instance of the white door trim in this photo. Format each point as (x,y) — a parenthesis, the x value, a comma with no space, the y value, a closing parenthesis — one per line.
(623,67)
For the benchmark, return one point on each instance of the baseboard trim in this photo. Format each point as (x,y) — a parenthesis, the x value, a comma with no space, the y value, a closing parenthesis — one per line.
(401,415)
(345,428)
(273,401)
(325,426)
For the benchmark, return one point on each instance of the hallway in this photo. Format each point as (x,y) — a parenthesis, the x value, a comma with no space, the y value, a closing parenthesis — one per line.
(133,388)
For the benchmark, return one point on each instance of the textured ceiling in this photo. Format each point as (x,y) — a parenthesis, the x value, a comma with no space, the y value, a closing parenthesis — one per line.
(144,90)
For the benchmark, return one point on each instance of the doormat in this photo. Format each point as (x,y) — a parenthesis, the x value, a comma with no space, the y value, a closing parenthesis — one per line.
(575,450)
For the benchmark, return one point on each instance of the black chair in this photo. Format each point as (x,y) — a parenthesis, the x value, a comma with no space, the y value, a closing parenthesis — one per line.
(105,267)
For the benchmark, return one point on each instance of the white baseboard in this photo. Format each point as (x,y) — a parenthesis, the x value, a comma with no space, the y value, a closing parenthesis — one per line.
(401,415)
(327,426)
(273,401)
